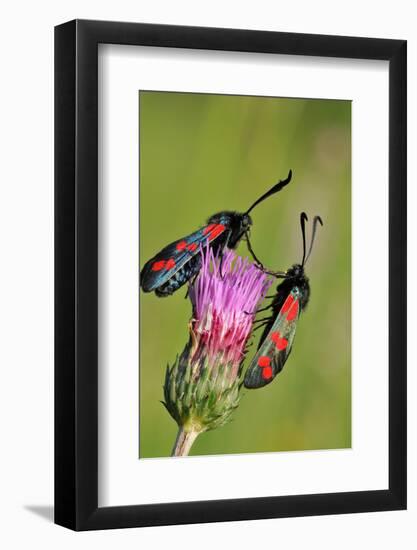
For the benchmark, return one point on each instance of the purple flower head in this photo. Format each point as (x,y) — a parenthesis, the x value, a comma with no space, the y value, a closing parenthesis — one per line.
(224,297)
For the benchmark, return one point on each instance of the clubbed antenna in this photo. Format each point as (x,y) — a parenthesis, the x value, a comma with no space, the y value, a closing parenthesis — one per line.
(303,220)
(277,187)
(316,220)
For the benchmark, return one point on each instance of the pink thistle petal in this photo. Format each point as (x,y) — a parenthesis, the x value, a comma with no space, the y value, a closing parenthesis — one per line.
(224,298)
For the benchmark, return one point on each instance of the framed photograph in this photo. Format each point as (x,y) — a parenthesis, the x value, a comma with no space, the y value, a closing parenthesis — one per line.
(230,252)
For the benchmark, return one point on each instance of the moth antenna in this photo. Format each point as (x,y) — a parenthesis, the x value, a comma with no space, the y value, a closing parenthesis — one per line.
(303,220)
(316,220)
(277,187)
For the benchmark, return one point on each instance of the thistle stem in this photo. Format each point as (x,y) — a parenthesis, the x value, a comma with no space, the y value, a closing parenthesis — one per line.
(184,441)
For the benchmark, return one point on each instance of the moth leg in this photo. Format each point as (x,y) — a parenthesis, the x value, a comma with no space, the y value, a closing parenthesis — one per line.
(188,291)
(263,319)
(222,254)
(190,283)
(264,308)
(277,274)
(260,326)
(221,264)
(260,264)
(259,310)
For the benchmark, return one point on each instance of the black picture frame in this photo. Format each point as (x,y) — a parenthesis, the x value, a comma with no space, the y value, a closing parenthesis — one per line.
(76,271)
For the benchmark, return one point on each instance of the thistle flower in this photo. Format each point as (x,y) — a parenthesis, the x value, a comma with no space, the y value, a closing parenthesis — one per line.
(202,388)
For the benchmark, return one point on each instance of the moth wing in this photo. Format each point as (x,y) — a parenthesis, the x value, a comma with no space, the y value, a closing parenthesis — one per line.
(274,351)
(159,269)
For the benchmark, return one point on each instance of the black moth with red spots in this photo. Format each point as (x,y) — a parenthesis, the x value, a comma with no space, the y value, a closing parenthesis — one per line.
(277,339)
(180,261)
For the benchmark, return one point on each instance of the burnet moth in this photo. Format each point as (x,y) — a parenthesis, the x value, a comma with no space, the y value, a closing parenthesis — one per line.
(180,261)
(290,300)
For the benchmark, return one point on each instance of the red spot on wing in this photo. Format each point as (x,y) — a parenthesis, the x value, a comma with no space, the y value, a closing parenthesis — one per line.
(209,228)
(281,343)
(191,247)
(293,312)
(267,373)
(213,230)
(287,304)
(181,245)
(264,361)
(157,266)
(170,264)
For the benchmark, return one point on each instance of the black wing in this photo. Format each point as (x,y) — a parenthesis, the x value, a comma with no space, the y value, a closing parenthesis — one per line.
(276,347)
(159,269)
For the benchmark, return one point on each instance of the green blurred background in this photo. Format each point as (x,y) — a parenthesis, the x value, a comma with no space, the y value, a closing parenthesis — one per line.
(202,153)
